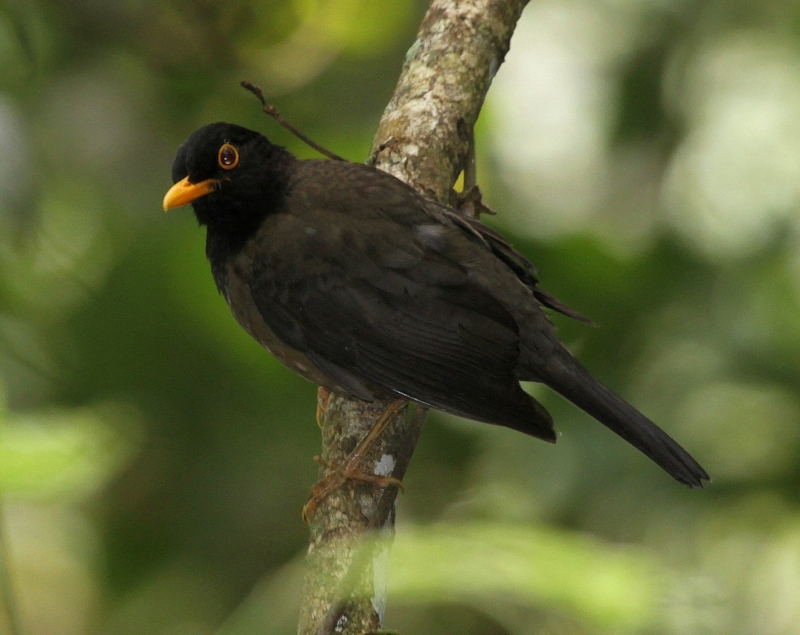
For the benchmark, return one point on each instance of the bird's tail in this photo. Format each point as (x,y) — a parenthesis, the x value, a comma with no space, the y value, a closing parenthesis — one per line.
(566,376)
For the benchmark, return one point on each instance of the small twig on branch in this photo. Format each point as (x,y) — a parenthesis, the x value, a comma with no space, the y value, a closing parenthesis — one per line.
(273,112)
(470,200)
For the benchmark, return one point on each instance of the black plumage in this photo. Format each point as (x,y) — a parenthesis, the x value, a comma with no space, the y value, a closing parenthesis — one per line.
(356,282)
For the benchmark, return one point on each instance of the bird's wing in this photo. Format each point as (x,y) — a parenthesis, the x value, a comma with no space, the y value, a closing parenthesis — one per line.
(375,302)
(525,271)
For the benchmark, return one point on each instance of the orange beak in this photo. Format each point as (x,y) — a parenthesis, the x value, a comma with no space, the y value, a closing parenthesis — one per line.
(184,192)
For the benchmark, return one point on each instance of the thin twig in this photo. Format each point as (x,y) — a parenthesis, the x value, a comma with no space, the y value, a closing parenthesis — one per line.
(469,200)
(470,168)
(273,112)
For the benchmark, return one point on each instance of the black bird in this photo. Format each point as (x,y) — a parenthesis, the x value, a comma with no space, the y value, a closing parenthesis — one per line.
(356,282)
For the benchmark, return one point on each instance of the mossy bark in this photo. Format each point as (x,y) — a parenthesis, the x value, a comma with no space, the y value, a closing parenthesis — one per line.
(423,139)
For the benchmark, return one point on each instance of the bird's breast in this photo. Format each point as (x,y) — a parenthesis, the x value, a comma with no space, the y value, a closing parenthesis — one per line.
(243,308)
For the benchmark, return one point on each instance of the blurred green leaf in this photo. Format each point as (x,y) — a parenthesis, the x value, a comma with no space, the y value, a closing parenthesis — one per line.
(610,587)
(65,453)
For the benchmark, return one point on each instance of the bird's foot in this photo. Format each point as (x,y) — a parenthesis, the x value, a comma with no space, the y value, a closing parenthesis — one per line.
(338,476)
(350,468)
(323,396)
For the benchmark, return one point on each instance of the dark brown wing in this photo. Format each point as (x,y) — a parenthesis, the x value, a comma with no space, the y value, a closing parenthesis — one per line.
(514,260)
(381,289)
(373,301)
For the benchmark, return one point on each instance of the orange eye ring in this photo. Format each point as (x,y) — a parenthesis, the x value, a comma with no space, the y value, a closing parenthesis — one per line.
(228,157)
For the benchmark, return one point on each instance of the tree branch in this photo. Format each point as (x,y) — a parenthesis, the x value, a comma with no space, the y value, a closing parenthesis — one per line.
(423,139)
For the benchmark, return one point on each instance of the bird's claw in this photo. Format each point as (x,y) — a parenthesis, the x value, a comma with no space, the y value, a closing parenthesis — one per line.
(323,397)
(338,476)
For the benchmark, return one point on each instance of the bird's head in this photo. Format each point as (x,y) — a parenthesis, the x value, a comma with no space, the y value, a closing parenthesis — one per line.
(231,176)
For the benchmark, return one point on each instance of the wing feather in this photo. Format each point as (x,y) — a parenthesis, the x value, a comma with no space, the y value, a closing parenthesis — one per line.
(405,318)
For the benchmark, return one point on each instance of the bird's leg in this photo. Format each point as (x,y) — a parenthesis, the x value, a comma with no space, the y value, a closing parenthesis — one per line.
(323,396)
(350,469)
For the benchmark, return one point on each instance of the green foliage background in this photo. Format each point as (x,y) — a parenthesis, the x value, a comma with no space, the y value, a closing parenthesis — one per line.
(645,154)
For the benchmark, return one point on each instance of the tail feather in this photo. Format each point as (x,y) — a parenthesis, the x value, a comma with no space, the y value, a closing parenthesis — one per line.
(567,377)
(508,406)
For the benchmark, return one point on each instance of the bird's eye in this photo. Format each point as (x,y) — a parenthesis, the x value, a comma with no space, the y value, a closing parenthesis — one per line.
(228,157)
